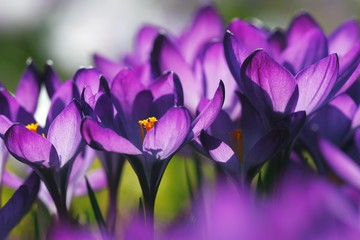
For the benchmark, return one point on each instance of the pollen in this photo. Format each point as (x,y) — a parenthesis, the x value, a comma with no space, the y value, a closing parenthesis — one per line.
(147,124)
(32,127)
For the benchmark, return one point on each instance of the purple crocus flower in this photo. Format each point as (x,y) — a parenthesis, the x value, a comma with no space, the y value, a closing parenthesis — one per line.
(275,92)
(301,45)
(51,154)
(168,126)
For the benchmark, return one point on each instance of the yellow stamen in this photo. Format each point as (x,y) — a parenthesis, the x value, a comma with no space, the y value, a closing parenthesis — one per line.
(147,124)
(32,127)
(236,143)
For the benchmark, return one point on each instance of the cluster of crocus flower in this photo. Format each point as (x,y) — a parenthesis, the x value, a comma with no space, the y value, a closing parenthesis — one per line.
(275,112)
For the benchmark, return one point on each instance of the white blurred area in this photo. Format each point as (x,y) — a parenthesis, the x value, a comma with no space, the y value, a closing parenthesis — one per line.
(83,27)
(22,15)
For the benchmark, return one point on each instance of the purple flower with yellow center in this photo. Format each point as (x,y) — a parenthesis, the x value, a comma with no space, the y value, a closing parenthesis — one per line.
(51,154)
(148,126)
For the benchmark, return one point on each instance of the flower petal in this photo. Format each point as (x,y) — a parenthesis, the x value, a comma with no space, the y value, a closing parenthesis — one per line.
(30,148)
(209,113)
(221,153)
(28,89)
(198,34)
(106,139)
(267,84)
(107,67)
(168,134)
(87,77)
(340,163)
(316,82)
(51,79)
(342,40)
(68,121)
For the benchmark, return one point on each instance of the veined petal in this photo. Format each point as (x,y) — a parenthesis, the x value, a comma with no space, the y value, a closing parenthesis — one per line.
(64,132)
(106,139)
(28,89)
(267,84)
(198,34)
(316,82)
(168,134)
(31,148)
(340,163)
(209,113)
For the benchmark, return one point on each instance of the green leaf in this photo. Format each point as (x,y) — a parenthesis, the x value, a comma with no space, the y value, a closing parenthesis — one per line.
(95,206)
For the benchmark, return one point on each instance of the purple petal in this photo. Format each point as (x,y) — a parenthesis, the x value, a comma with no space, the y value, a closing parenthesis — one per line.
(166,57)
(13,110)
(277,43)
(87,77)
(30,148)
(340,163)
(18,205)
(268,146)
(301,25)
(342,40)
(267,84)
(198,34)
(125,86)
(249,38)
(215,69)
(300,54)
(107,67)
(68,122)
(356,119)
(168,134)
(11,180)
(97,181)
(5,124)
(144,42)
(51,79)
(209,113)
(61,98)
(106,139)
(28,89)
(316,82)
(349,70)
(232,55)
(220,152)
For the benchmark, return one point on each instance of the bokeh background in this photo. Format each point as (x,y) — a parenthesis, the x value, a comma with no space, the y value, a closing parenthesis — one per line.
(70,32)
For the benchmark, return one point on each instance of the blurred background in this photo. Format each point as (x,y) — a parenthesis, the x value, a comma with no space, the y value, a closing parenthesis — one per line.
(69,32)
